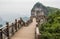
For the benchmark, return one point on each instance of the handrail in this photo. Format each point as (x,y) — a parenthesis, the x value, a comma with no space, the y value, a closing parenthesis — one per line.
(9,23)
(9,29)
(37,34)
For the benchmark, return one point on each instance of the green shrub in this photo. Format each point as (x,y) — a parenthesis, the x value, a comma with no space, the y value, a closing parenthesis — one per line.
(51,29)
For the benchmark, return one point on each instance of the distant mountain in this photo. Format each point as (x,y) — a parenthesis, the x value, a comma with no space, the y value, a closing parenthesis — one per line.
(2,22)
(25,18)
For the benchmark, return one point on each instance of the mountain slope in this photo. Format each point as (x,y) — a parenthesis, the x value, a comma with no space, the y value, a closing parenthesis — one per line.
(52,9)
(45,9)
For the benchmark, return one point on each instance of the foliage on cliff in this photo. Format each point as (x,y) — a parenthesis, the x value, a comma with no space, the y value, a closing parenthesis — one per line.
(51,29)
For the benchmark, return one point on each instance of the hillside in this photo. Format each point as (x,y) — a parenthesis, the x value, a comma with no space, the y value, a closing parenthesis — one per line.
(51,28)
(52,9)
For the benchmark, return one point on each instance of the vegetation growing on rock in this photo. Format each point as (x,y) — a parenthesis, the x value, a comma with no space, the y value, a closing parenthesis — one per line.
(51,28)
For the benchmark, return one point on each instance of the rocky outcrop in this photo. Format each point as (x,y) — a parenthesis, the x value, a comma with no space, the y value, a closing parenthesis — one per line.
(40,6)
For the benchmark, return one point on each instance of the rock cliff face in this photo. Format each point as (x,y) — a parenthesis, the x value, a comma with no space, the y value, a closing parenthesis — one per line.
(39,11)
(39,8)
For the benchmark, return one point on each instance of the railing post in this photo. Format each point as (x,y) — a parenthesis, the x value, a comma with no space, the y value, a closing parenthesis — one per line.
(37,34)
(7,30)
(1,36)
(22,22)
(36,25)
(12,29)
(16,25)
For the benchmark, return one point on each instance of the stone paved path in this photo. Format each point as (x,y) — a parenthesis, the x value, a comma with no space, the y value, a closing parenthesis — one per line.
(26,32)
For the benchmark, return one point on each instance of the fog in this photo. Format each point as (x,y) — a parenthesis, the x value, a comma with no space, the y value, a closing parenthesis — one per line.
(11,9)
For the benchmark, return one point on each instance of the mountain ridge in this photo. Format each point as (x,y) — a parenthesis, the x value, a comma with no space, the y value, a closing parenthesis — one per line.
(47,9)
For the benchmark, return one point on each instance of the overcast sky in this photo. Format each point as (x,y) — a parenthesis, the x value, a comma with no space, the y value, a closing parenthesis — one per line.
(16,8)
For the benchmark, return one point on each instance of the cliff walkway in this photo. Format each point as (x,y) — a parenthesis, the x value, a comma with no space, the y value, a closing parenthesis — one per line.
(20,30)
(27,32)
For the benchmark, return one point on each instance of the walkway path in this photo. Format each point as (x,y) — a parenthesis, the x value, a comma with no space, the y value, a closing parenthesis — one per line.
(26,32)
